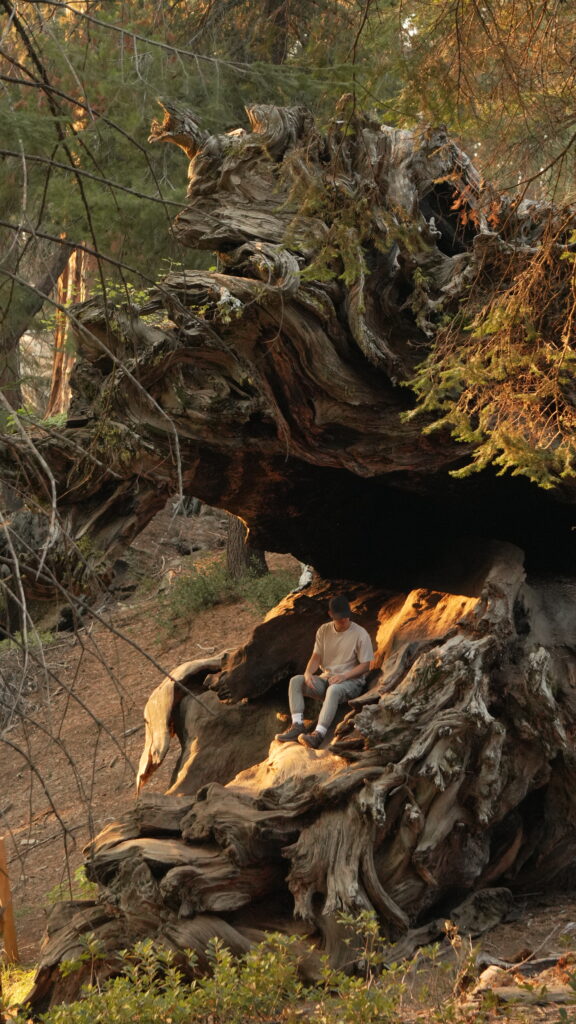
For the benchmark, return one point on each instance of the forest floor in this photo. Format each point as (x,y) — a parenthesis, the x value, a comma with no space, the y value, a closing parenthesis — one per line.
(68,760)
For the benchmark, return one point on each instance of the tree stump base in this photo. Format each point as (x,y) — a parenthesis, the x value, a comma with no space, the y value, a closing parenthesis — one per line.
(453,773)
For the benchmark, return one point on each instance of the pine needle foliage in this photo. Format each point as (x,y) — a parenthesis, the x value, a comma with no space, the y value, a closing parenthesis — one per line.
(501,373)
(501,74)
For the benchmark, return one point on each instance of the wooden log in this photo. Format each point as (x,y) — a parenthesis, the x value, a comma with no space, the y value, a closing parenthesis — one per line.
(7,916)
(274,380)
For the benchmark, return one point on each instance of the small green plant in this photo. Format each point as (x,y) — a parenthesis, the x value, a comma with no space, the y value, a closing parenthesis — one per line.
(564,1017)
(33,639)
(93,951)
(16,981)
(211,584)
(375,988)
(203,587)
(263,592)
(76,888)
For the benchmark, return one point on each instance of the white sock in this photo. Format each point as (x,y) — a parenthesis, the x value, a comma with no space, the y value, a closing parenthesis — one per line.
(298,718)
(321,729)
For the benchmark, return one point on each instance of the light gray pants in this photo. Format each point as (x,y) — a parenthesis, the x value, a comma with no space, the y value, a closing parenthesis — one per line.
(331,696)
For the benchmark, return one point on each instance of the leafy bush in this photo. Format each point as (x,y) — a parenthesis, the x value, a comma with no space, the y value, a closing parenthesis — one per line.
(158,986)
(263,592)
(34,638)
(153,988)
(210,583)
(205,586)
(79,888)
(260,986)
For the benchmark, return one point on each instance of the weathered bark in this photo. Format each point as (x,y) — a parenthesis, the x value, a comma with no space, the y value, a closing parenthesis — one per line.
(271,389)
(19,305)
(242,556)
(275,392)
(453,773)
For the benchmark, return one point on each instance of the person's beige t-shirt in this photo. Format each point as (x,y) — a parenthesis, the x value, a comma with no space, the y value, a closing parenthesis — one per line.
(339,652)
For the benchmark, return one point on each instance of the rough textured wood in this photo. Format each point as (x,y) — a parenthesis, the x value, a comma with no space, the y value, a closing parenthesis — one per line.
(7,922)
(461,779)
(160,707)
(271,388)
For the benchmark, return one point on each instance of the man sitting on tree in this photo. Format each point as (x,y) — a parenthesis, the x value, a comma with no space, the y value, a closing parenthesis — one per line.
(343,651)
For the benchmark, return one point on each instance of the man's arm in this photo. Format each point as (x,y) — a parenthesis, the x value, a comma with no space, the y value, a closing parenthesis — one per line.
(358,670)
(313,664)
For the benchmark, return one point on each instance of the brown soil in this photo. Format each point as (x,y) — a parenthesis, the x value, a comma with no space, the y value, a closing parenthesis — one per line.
(68,763)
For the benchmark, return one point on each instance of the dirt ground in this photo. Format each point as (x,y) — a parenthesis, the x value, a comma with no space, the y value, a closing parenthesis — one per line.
(67,766)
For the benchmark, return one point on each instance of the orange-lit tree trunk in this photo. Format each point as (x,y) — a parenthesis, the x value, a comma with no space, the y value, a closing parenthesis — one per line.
(71,288)
(243,557)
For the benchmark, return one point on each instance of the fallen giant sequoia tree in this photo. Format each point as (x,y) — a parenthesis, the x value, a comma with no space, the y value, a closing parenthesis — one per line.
(272,388)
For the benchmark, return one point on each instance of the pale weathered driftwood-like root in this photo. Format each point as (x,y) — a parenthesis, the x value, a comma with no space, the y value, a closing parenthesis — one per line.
(460,777)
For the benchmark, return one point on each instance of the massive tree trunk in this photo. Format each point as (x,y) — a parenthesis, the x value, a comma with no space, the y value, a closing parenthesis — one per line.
(274,392)
(242,556)
(20,304)
(453,773)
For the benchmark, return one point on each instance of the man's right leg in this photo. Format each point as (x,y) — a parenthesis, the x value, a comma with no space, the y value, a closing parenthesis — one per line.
(296,692)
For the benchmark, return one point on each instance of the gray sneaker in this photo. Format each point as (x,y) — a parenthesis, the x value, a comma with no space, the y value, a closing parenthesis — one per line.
(311,739)
(295,730)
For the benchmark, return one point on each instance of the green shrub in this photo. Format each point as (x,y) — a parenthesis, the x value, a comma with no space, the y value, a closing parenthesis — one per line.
(33,639)
(263,592)
(153,988)
(16,981)
(78,888)
(210,584)
(202,587)
(158,986)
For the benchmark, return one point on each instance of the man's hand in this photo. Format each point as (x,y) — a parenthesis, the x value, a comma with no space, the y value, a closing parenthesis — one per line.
(341,677)
(312,666)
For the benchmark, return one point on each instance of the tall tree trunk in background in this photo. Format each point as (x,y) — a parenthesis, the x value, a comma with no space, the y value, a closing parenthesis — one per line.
(20,304)
(242,556)
(276,14)
(71,288)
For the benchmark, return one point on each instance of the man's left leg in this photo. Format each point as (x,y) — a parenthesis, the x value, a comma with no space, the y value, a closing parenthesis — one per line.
(335,695)
(297,690)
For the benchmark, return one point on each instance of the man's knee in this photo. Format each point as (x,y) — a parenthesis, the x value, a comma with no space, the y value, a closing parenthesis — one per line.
(338,691)
(296,682)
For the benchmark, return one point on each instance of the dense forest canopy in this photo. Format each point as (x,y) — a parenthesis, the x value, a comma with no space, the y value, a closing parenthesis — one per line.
(79,81)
